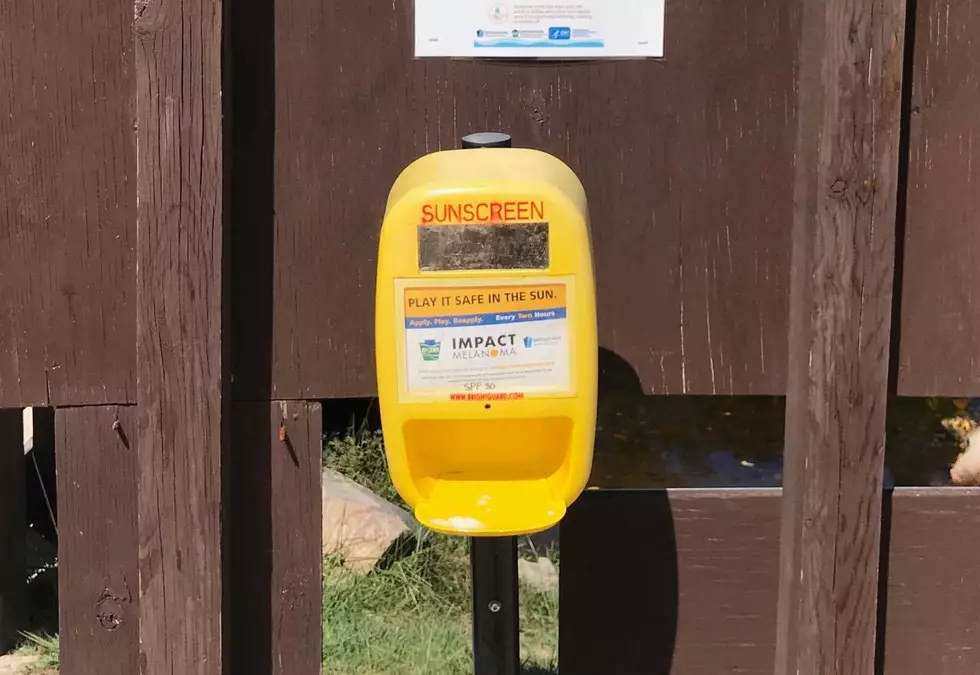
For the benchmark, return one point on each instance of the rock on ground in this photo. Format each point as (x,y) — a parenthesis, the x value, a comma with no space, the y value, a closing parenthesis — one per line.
(358,524)
(539,574)
(16,665)
(966,470)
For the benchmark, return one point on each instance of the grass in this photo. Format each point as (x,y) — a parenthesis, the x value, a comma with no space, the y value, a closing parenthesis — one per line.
(402,621)
(45,648)
(412,617)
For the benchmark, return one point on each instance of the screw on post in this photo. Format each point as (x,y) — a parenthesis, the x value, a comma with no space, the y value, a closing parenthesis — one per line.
(496,628)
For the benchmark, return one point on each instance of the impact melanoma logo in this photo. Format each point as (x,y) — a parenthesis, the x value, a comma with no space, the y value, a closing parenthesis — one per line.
(430,349)
(484,346)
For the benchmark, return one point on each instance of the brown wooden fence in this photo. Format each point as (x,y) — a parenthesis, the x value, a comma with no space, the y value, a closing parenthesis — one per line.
(189,204)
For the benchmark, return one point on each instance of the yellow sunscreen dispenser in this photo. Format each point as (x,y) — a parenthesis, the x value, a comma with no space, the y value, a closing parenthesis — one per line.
(486,340)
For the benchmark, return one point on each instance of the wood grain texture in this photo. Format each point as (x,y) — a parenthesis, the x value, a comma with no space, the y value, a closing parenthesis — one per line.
(98,572)
(851,65)
(67,204)
(686,163)
(940,315)
(669,582)
(932,623)
(181,433)
(13,525)
(276,593)
(684,582)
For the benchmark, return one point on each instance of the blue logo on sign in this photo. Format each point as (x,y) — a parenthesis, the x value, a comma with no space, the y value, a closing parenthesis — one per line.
(516,33)
(528,342)
(479,33)
(560,33)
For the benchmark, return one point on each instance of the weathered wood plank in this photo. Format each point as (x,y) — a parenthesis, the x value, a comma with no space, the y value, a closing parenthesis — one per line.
(669,582)
(940,314)
(13,565)
(98,572)
(181,333)
(686,163)
(932,594)
(276,592)
(684,582)
(67,204)
(842,272)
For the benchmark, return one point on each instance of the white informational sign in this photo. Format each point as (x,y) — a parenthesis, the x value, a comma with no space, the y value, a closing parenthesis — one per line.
(528,29)
(485,343)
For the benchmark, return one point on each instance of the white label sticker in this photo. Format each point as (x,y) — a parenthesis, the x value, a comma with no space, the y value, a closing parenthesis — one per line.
(556,29)
(482,343)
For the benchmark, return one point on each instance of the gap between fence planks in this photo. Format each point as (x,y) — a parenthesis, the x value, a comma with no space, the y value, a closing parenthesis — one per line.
(13,566)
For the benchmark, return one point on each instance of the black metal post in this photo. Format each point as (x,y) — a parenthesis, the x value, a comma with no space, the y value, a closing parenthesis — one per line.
(496,622)
(493,560)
